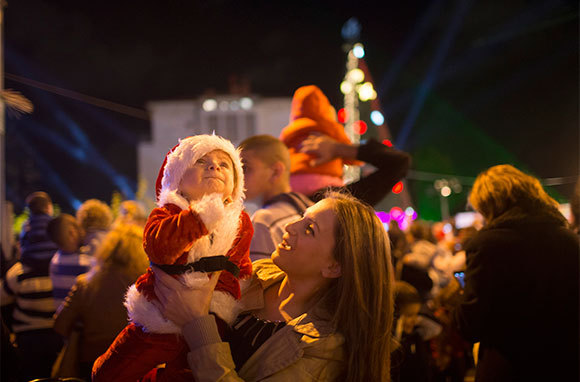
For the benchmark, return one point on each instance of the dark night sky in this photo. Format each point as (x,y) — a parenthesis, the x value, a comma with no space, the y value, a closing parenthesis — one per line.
(510,75)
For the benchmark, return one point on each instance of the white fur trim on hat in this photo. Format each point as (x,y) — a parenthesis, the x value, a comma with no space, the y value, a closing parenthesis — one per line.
(188,152)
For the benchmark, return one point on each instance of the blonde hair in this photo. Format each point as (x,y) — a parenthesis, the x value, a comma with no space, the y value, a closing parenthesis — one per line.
(363,295)
(94,215)
(130,212)
(122,247)
(504,188)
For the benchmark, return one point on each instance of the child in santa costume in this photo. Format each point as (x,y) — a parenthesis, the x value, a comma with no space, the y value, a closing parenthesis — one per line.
(198,228)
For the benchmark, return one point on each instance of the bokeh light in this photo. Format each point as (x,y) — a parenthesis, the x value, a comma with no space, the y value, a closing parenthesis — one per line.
(359,127)
(377,117)
(209,104)
(397,188)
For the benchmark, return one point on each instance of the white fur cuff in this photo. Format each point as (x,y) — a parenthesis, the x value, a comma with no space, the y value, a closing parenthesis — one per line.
(224,305)
(211,210)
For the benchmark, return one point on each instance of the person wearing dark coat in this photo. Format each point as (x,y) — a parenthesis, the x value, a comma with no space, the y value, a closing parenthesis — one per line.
(521,294)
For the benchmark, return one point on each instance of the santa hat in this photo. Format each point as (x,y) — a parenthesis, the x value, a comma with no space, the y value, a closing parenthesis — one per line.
(312,113)
(184,155)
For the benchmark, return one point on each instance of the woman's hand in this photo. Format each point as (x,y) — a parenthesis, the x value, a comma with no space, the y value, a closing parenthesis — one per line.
(179,303)
(321,146)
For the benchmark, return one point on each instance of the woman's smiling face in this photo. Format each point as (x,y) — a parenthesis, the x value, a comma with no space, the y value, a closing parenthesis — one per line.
(307,247)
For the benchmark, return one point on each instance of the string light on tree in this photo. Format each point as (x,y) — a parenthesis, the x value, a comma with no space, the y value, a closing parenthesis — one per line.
(377,117)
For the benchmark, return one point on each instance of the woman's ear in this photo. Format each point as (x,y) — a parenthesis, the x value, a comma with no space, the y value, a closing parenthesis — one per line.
(332,271)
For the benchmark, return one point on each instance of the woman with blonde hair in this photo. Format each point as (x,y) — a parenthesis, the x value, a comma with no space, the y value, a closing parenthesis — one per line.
(521,282)
(320,309)
(95,303)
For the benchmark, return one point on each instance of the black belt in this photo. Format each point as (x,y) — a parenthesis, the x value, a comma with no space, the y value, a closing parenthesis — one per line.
(205,264)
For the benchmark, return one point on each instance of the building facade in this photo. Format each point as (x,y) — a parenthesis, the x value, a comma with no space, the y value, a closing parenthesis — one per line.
(229,116)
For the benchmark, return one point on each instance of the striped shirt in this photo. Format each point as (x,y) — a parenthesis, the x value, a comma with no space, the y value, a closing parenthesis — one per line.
(64,269)
(270,220)
(31,290)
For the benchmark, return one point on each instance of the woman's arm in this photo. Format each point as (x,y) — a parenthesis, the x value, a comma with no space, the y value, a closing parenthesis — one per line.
(210,358)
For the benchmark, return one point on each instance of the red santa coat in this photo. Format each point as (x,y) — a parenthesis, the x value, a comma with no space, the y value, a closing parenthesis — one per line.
(171,237)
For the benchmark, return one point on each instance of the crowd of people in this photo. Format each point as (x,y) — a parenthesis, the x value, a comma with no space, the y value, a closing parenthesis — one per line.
(310,287)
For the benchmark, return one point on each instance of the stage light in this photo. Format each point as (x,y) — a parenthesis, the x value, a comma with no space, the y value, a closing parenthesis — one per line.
(445,191)
(409,211)
(387,142)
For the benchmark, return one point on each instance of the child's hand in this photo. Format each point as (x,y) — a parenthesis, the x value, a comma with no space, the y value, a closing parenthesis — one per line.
(179,303)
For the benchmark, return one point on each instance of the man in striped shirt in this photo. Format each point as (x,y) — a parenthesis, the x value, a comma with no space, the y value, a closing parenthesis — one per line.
(28,289)
(69,261)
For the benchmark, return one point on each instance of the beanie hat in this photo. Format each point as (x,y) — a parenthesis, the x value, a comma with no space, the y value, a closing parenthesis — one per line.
(312,113)
(185,154)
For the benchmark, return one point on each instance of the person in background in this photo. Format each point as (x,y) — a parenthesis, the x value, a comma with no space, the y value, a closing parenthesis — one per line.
(95,303)
(399,243)
(267,178)
(71,259)
(521,282)
(319,148)
(27,291)
(417,265)
(411,361)
(131,212)
(95,218)
(452,355)
(320,309)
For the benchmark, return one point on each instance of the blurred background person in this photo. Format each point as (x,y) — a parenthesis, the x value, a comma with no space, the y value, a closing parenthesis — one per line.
(94,305)
(70,260)
(521,282)
(27,299)
(411,361)
(95,218)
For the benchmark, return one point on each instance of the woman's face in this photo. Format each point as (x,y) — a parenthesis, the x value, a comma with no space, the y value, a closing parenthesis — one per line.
(306,250)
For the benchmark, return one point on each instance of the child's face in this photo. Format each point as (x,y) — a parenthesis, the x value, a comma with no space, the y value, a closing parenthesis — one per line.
(212,173)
